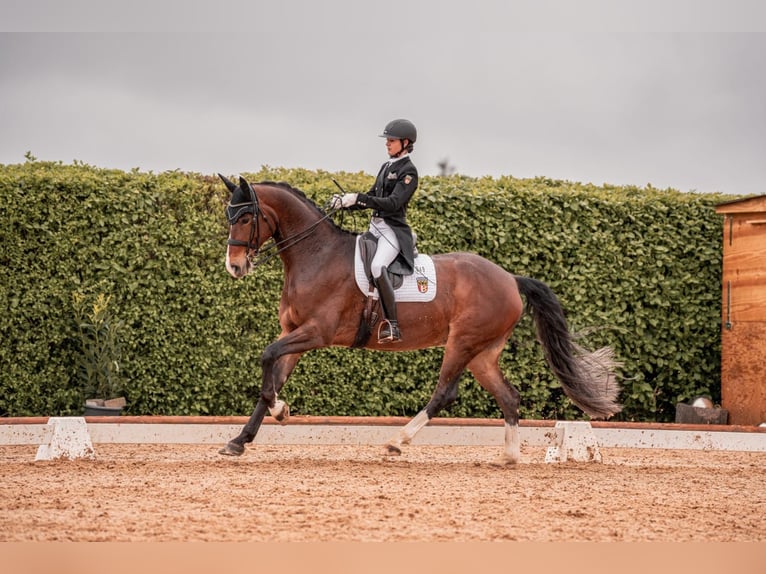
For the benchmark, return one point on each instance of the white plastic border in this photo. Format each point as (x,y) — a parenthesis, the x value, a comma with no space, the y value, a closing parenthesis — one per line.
(468,434)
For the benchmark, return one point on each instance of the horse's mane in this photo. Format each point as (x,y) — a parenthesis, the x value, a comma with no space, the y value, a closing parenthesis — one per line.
(305,199)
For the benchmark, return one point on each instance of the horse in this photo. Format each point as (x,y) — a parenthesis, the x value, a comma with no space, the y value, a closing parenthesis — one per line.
(476,307)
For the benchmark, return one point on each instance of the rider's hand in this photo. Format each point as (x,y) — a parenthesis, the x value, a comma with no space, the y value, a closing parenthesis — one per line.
(348,200)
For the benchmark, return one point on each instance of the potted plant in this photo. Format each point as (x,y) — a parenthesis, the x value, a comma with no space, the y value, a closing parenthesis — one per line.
(98,365)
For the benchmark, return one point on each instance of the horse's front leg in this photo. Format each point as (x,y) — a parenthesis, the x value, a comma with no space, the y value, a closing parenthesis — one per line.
(236,446)
(276,369)
(275,375)
(278,408)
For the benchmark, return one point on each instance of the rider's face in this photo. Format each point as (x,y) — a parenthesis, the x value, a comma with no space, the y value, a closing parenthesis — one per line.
(393,146)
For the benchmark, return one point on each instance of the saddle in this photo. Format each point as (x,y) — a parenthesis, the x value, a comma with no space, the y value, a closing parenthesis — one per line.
(416,287)
(368,245)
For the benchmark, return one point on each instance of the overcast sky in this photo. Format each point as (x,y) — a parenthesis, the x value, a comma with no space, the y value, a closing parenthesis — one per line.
(670,93)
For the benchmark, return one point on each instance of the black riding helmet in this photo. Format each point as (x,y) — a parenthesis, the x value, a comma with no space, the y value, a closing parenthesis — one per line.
(401,130)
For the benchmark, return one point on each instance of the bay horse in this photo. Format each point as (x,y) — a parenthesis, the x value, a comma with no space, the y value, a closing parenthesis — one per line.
(473,314)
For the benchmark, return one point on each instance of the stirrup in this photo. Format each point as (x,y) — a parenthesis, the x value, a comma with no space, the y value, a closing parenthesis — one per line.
(388,332)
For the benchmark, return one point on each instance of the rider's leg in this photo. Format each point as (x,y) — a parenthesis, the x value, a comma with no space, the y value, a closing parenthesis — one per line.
(387,250)
(389,331)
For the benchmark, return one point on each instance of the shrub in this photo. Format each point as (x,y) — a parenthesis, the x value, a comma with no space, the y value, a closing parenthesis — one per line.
(638,267)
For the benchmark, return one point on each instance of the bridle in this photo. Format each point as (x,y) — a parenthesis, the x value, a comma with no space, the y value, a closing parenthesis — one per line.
(254,248)
(236,210)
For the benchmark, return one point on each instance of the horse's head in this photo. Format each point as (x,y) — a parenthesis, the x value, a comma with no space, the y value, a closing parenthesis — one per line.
(246,234)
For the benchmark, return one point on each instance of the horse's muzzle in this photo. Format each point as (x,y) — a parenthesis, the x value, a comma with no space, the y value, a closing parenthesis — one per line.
(238,268)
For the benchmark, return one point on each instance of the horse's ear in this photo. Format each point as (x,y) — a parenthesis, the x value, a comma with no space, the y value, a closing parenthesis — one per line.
(243,183)
(229,185)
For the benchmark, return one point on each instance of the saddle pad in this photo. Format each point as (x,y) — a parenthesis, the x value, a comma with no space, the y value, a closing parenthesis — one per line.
(418,287)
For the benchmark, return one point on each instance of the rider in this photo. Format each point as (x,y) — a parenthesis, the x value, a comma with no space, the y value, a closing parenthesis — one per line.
(394,186)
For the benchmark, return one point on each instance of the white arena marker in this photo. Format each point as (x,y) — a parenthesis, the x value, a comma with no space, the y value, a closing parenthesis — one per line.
(70,439)
(578,443)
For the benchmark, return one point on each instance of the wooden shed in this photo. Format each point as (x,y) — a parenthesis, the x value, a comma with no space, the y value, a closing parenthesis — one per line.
(743,318)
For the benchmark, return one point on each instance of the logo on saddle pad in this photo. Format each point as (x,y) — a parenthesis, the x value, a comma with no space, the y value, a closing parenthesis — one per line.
(419,287)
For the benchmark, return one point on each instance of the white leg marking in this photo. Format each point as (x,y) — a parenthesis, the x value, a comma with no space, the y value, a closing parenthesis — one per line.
(409,431)
(281,411)
(512,450)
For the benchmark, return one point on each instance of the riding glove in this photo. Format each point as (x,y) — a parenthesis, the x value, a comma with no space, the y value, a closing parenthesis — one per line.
(345,200)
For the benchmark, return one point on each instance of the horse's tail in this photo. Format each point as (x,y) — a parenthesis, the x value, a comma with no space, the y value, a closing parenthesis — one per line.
(587,377)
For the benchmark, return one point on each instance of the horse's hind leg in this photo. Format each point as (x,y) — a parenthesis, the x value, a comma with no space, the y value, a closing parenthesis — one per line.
(444,394)
(487,371)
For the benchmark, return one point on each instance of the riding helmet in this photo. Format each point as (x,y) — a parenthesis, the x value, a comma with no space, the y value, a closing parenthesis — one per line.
(400,129)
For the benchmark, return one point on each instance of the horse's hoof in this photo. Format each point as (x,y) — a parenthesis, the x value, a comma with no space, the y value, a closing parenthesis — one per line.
(504,461)
(391,450)
(232,449)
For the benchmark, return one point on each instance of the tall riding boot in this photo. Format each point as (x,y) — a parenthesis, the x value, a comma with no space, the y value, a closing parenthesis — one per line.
(389,329)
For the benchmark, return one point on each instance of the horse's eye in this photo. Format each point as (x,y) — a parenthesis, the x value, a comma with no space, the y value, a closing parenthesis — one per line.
(245,219)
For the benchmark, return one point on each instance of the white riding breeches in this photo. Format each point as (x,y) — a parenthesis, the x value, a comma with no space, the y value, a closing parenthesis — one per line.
(388,245)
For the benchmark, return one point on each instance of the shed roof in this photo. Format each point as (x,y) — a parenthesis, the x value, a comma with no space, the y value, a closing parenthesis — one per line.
(755,204)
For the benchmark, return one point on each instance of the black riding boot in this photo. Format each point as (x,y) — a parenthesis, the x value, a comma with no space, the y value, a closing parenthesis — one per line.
(389,329)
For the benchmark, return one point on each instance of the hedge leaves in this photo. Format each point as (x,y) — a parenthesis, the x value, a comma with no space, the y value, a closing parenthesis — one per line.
(637,268)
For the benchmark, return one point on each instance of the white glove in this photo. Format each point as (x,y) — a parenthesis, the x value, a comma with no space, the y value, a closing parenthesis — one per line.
(348,200)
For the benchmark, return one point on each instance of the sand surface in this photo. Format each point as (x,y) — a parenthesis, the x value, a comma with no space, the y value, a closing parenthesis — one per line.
(352,493)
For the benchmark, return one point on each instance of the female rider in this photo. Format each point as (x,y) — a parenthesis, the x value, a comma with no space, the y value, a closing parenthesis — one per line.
(394,186)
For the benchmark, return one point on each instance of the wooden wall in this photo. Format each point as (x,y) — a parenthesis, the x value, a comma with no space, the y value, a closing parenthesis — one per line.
(743,313)
(743,370)
(744,268)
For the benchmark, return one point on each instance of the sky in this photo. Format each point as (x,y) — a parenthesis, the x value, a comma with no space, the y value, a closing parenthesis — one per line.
(670,93)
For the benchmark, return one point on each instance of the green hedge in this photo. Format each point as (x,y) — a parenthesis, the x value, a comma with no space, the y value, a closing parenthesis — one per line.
(639,268)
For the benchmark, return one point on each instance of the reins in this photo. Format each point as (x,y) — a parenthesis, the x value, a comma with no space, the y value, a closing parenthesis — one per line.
(259,254)
(284,244)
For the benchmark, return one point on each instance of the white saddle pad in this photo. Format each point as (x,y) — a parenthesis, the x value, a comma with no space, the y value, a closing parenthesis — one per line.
(418,287)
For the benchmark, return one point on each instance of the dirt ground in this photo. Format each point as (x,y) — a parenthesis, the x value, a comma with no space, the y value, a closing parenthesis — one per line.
(351,493)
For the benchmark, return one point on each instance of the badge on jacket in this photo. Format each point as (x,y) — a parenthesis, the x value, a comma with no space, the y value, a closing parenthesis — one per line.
(407,179)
